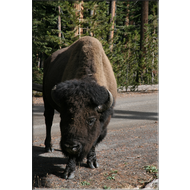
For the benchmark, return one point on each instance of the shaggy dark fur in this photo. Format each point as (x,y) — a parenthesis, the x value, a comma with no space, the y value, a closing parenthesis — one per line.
(82,97)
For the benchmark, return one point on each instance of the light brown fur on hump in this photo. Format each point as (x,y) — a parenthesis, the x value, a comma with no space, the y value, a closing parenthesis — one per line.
(87,57)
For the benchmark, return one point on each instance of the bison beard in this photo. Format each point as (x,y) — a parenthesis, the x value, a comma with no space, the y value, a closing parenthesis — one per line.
(85,113)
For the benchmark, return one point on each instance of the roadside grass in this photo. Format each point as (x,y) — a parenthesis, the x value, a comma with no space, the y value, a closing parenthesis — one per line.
(152,170)
(111,175)
(85,183)
(105,187)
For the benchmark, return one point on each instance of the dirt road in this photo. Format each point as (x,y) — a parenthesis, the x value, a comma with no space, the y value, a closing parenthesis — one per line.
(131,144)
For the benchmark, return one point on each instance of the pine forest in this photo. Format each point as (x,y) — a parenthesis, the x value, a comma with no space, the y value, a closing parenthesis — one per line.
(128,31)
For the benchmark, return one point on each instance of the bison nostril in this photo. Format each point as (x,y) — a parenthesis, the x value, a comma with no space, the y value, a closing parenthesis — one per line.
(74,147)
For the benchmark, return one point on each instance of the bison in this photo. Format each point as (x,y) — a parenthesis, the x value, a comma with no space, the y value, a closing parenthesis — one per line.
(79,83)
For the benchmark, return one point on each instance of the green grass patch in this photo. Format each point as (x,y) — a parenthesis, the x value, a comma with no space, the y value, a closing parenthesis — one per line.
(152,170)
(84,183)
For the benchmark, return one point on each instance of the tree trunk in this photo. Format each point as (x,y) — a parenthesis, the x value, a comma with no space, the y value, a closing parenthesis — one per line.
(81,18)
(79,14)
(91,15)
(76,5)
(113,5)
(144,20)
(59,25)
(127,24)
(127,17)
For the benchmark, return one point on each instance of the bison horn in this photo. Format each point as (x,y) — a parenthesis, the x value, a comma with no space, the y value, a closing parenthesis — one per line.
(54,96)
(107,105)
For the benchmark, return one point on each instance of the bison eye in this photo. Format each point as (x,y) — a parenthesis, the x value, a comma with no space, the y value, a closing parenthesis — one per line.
(91,121)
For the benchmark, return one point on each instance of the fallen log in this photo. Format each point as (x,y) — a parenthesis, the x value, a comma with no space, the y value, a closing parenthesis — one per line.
(37,87)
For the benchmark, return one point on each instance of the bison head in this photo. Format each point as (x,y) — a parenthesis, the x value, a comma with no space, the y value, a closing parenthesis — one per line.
(84,108)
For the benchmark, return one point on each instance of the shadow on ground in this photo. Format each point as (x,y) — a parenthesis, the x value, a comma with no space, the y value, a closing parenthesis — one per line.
(122,114)
(44,166)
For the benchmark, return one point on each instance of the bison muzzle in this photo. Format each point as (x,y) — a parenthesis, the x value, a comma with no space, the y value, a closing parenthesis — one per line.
(79,83)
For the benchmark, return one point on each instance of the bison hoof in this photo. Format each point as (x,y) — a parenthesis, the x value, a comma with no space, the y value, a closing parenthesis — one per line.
(93,164)
(67,175)
(49,149)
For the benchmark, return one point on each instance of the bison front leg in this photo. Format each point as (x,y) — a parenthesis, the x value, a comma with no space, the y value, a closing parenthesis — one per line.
(91,159)
(69,172)
(48,113)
